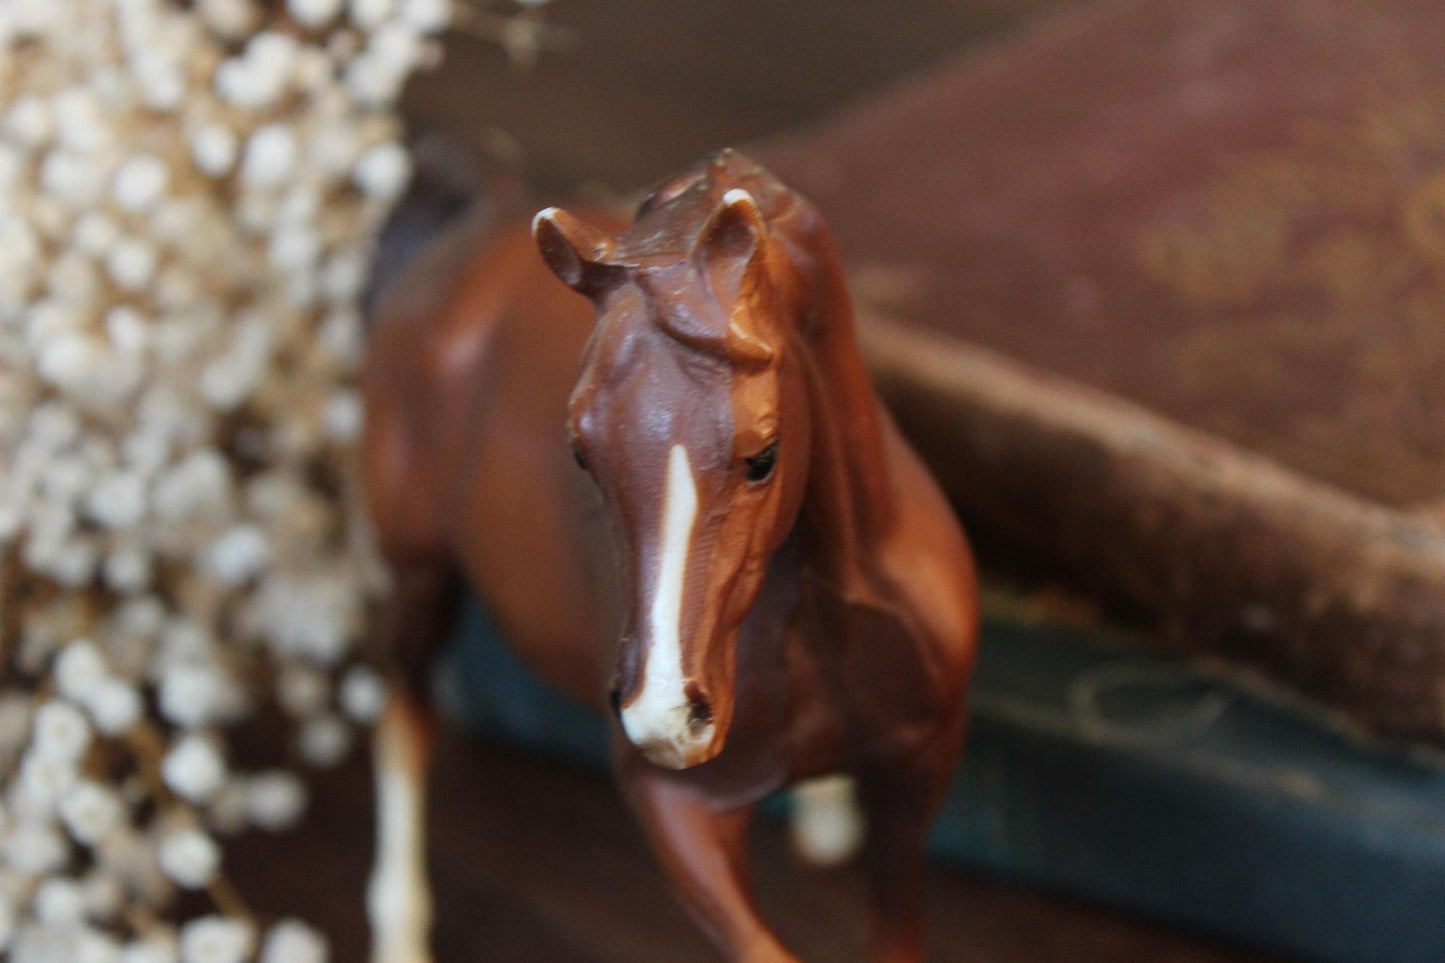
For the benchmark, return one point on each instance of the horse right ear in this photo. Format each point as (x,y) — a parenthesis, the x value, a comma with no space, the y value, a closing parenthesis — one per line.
(575,251)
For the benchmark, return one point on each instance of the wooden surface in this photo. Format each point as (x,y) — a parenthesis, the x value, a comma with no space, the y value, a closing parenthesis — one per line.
(535,861)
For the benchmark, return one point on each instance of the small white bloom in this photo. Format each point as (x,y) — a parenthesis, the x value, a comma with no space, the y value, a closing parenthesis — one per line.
(273,50)
(91,811)
(324,741)
(383,171)
(87,371)
(343,337)
(398,46)
(239,555)
(72,179)
(216,939)
(79,670)
(29,121)
(104,896)
(270,156)
(302,690)
(335,147)
(363,694)
(157,946)
(43,781)
(177,287)
(35,848)
(131,263)
(127,570)
(276,800)
(214,148)
(185,223)
(68,360)
(128,330)
(190,857)
(7,921)
(313,13)
(300,206)
(313,618)
(344,275)
(140,182)
(370,14)
(162,83)
(231,19)
(246,83)
(59,902)
(187,640)
(344,416)
(199,485)
(118,499)
(95,233)
(132,857)
(190,694)
(141,618)
(80,119)
(116,707)
(294,248)
(95,946)
(73,279)
(428,16)
(373,82)
(193,769)
(15,713)
(74,564)
(292,941)
(61,731)
(228,811)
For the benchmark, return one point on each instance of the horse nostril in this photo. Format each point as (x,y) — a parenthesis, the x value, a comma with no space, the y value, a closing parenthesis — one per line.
(699,714)
(614,699)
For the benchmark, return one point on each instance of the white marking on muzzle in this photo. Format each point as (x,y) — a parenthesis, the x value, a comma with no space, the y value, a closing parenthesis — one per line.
(658,721)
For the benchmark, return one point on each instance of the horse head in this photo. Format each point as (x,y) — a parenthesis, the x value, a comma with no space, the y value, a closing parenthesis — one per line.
(691,417)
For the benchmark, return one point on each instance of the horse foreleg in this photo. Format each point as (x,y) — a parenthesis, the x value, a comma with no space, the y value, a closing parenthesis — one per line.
(398,898)
(416,621)
(828,827)
(900,805)
(705,853)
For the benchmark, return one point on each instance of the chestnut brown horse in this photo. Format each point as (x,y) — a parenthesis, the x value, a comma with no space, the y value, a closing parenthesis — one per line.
(746,567)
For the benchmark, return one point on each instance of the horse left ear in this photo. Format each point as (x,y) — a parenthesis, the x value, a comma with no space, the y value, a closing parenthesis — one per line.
(731,242)
(574,250)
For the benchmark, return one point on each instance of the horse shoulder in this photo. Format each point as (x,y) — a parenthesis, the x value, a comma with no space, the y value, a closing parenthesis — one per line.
(426,344)
(928,561)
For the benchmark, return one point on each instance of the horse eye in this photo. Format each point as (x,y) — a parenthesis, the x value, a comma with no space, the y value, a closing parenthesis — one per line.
(760,466)
(577,457)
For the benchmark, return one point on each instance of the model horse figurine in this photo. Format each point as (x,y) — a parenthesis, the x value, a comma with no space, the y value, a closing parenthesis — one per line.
(746,567)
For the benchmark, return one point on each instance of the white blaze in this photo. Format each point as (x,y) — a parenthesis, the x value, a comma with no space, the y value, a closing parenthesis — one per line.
(658,717)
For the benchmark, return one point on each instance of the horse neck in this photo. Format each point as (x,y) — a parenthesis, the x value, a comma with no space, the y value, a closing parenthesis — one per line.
(849,502)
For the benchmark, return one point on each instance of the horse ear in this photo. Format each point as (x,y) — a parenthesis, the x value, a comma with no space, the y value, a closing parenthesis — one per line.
(574,250)
(731,242)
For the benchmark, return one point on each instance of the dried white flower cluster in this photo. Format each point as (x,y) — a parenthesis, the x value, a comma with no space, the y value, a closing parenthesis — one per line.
(188,192)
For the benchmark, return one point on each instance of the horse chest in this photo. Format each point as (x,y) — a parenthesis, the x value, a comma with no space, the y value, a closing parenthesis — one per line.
(862,688)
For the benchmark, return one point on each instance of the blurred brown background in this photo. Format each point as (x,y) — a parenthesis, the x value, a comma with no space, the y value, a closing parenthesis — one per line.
(624,92)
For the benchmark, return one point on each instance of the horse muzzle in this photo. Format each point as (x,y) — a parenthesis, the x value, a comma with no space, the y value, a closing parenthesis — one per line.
(673,734)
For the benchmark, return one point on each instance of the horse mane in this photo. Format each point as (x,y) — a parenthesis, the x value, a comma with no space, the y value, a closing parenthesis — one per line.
(713,176)
(669,229)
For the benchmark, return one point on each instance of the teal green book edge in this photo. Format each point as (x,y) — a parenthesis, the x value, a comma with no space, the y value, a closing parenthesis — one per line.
(1136,780)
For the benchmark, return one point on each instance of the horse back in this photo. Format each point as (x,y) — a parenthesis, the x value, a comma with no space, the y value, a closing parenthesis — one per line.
(472,359)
